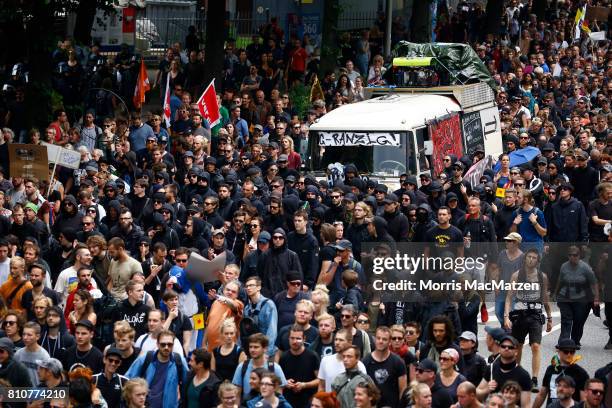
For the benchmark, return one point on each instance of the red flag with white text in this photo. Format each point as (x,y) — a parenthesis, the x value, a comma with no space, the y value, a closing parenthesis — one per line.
(142,85)
(209,108)
(167,111)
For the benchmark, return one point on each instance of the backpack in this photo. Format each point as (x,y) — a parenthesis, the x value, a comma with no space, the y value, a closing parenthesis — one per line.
(149,359)
(104,308)
(250,323)
(245,366)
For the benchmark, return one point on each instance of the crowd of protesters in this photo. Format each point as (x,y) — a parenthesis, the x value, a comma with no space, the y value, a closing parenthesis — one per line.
(96,289)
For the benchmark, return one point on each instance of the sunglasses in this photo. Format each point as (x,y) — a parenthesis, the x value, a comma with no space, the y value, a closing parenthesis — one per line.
(596,392)
(568,351)
(505,347)
(180,260)
(9,322)
(114,361)
(397,338)
(166,345)
(347,316)
(278,238)
(421,371)
(295,283)
(362,321)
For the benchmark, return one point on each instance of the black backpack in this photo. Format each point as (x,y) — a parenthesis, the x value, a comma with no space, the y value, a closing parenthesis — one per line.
(249,324)
(245,366)
(104,308)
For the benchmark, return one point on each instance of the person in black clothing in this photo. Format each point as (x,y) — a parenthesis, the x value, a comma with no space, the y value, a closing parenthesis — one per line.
(54,337)
(475,364)
(305,245)
(300,366)
(132,309)
(506,368)
(176,321)
(12,370)
(275,264)
(398,225)
(441,335)
(504,216)
(83,352)
(109,382)
(154,269)
(426,373)
(37,275)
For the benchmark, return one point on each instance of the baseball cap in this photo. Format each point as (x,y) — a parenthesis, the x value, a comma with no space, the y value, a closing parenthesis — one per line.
(85,323)
(566,379)
(468,335)
(514,236)
(390,198)
(258,127)
(497,333)
(343,244)
(188,153)
(54,365)
(508,337)
(283,158)
(112,351)
(428,365)
(264,237)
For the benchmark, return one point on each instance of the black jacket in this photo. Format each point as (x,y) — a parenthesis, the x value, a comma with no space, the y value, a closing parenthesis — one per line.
(273,266)
(15,373)
(568,222)
(397,225)
(306,247)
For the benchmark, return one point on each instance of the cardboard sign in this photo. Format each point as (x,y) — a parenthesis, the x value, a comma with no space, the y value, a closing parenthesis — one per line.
(28,160)
(446,137)
(597,13)
(203,270)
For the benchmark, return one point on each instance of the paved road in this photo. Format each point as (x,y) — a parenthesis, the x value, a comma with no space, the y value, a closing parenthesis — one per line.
(592,352)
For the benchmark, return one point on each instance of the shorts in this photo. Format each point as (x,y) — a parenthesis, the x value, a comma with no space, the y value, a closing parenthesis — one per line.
(529,324)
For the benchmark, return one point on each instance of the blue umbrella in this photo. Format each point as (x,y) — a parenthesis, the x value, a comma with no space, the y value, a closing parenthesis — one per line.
(520,156)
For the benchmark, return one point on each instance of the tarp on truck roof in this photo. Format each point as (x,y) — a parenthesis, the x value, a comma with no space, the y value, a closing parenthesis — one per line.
(460,59)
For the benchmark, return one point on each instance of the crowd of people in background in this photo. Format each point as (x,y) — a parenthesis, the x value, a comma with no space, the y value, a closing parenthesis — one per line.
(96,290)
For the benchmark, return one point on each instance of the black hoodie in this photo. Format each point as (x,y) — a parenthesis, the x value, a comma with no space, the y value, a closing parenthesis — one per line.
(274,264)
(67,219)
(135,315)
(199,237)
(306,247)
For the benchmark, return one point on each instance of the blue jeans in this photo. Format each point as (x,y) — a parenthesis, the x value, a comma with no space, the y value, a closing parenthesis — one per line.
(573,317)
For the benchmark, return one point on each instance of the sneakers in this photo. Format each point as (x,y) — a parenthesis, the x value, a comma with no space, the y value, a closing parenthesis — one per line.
(534,385)
(608,346)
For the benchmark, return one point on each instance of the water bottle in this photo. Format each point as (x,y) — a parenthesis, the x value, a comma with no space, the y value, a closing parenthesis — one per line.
(468,243)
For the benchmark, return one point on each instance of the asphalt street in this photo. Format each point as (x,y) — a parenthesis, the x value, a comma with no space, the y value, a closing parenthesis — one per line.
(593,341)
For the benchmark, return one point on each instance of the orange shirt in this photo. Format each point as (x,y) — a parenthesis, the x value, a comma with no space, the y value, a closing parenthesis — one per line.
(218,313)
(8,287)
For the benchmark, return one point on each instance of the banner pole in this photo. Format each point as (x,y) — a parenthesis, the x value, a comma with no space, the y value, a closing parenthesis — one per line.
(57,156)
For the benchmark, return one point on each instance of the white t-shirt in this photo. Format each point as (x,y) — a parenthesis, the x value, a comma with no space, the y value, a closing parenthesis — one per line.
(331,367)
(67,281)
(5,270)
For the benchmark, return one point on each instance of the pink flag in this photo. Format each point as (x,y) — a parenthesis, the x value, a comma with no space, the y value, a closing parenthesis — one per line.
(167,111)
(209,108)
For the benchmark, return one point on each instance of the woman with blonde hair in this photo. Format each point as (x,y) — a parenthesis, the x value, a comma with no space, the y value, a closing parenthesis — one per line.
(135,393)
(294,161)
(320,300)
(227,356)
(421,395)
(228,395)
(40,304)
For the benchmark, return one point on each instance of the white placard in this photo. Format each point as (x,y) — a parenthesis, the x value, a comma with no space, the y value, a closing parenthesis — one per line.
(359,139)
(491,130)
(64,157)
(203,270)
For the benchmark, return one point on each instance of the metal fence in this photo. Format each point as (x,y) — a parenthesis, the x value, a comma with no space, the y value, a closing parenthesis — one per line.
(349,21)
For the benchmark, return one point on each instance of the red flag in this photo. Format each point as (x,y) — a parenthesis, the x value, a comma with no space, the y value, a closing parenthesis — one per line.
(167,111)
(142,86)
(209,108)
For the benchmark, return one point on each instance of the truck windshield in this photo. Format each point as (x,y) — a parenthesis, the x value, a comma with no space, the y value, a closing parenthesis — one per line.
(379,160)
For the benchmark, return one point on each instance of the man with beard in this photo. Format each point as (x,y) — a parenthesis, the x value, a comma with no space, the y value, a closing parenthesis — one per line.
(54,338)
(129,233)
(225,203)
(37,275)
(121,269)
(67,280)
(398,223)
(235,237)
(504,216)
(13,289)
(584,178)
(100,259)
(83,352)
(154,269)
(357,231)
(323,345)
(84,275)
(132,309)
(441,335)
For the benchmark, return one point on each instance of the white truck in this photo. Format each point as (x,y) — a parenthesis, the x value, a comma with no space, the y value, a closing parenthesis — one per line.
(408,130)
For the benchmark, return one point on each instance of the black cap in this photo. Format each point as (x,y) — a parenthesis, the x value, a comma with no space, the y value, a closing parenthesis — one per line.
(428,365)
(566,379)
(411,180)
(293,276)
(85,323)
(497,333)
(113,351)
(390,198)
